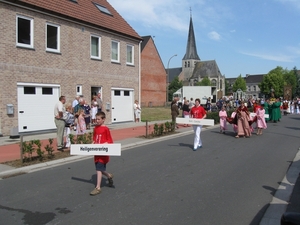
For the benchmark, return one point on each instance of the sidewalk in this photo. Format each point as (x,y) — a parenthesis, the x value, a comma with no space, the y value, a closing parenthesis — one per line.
(128,134)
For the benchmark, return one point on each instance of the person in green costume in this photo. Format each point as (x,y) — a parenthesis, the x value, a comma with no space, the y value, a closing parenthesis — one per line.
(266,108)
(276,114)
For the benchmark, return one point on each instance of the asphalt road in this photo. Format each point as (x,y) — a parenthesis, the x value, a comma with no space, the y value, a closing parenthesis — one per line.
(229,181)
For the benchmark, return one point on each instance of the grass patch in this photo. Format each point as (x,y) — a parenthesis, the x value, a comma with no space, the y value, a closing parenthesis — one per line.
(156,113)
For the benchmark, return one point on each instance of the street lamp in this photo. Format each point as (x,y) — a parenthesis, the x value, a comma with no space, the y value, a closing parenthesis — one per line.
(168,79)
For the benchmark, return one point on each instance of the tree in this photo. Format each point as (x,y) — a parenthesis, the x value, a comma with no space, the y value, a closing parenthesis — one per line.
(173,87)
(276,79)
(290,79)
(239,83)
(204,82)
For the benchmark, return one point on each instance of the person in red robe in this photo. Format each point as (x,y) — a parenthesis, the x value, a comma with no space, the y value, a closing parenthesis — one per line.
(243,118)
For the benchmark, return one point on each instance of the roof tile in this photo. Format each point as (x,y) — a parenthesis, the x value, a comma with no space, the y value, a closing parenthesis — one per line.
(85,11)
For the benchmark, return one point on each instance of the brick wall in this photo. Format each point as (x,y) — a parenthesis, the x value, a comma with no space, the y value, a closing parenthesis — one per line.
(153,77)
(71,67)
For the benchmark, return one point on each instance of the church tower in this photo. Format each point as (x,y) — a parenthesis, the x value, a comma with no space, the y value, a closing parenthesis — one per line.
(191,57)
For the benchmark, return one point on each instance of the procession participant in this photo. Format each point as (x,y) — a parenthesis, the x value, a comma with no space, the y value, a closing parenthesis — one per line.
(261,122)
(276,114)
(285,107)
(255,105)
(101,135)
(296,107)
(234,122)
(292,107)
(267,107)
(223,122)
(197,112)
(243,118)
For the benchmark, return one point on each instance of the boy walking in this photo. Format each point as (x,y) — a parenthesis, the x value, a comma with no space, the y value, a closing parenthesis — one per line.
(101,135)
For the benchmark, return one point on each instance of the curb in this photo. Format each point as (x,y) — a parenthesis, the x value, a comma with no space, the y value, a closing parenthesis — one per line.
(282,196)
(58,162)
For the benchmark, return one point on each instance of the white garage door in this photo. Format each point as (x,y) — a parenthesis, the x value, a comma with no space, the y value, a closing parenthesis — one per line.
(121,105)
(36,106)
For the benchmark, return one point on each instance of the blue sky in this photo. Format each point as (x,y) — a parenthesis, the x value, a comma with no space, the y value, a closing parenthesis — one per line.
(243,36)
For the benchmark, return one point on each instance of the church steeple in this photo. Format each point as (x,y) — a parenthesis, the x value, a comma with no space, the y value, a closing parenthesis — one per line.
(191,57)
(191,49)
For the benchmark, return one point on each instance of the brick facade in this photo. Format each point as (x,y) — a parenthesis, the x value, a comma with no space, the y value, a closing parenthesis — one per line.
(153,77)
(72,66)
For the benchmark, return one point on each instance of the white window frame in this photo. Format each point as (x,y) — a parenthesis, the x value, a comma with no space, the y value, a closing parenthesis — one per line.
(132,55)
(118,51)
(99,47)
(78,89)
(31,32)
(57,36)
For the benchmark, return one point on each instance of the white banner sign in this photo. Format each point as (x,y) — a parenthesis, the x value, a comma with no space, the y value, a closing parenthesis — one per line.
(96,149)
(207,122)
(254,114)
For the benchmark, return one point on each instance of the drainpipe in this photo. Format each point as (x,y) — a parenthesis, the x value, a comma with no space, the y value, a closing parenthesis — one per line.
(140,72)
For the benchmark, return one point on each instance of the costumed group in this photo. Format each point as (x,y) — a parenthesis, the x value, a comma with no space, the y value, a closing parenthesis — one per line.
(243,121)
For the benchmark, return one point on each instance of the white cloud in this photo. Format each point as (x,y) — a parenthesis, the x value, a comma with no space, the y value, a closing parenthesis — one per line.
(155,13)
(272,57)
(294,3)
(169,14)
(232,31)
(214,36)
(294,50)
(249,39)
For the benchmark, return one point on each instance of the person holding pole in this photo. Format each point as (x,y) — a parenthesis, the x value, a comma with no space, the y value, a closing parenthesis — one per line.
(197,112)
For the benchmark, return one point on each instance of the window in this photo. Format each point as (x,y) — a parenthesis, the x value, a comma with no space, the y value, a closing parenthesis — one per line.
(130,55)
(126,93)
(53,37)
(117,92)
(78,89)
(249,88)
(47,90)
(24,32)
(213,82)
(115,51)
(254,87)
(29,90)
(95,47)
(103,9)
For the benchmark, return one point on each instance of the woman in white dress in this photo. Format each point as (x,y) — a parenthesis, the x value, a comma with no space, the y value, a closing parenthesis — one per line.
(137,111)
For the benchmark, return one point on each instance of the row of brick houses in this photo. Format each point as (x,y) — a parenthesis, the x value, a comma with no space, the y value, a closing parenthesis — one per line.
(71,47)
(252,82)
